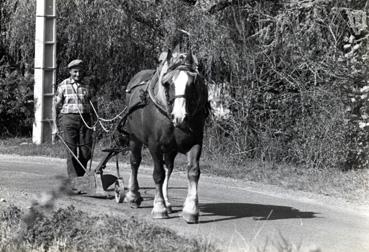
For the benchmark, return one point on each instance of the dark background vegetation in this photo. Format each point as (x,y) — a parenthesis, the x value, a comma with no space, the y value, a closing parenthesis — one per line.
(294,73)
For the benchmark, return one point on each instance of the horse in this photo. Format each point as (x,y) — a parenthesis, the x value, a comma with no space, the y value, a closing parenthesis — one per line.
(171,121)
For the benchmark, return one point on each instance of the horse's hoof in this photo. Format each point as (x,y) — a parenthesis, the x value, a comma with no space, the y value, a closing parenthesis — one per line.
(119,191)
(159,214)
(159,211)
(133,199)
(190,218)
(134,205)
(169,209)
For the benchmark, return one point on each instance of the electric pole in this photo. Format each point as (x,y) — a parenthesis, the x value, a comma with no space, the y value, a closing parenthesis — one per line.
(45,70)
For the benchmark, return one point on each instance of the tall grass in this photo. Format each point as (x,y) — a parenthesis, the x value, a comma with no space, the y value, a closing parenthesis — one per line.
(68,229)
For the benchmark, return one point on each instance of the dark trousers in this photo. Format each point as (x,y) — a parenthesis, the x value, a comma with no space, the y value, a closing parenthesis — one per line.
(79,139)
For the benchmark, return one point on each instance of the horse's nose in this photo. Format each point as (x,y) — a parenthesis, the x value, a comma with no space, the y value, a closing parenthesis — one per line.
(177,120)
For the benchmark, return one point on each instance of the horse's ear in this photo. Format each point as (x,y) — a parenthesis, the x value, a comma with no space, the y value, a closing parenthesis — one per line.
(195,61)
(191,59)
(163,57)
(177,49)
(169,55)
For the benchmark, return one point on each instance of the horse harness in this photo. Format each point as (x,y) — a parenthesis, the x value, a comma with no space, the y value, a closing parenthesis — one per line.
(145,92)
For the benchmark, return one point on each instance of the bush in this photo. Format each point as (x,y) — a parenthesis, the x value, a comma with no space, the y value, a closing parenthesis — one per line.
(16,103)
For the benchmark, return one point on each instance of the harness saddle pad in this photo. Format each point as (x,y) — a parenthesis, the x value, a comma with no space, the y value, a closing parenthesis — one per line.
(144,85)
(138,86)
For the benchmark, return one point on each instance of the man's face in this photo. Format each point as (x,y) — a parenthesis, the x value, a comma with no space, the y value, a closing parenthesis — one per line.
(76,74)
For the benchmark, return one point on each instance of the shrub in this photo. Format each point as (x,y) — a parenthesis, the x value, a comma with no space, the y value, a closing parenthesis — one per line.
(16,103)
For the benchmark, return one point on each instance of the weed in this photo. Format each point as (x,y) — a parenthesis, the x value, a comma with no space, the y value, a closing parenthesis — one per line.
(68,229)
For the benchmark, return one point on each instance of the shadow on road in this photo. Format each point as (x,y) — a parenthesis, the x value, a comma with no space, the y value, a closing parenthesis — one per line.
(108,180)
(229,211)
(170,188)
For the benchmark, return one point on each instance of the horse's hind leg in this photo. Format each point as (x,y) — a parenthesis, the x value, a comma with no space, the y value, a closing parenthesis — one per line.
(159,210)
(190,210)
(133,196)
(169,163)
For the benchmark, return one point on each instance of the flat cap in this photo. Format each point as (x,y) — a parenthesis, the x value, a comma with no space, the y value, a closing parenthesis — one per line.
(75,63)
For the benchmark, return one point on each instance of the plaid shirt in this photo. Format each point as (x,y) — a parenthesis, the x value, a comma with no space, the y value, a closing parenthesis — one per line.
(71,102)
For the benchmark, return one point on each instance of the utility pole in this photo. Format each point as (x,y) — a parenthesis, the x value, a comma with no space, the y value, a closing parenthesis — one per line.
(45,70)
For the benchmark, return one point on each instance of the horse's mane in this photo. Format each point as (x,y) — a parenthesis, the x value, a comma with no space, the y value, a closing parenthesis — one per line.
(200,103)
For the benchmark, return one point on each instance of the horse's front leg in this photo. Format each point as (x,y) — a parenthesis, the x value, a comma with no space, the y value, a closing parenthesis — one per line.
(133,196)
(159,210)
(169,163)
(190,210)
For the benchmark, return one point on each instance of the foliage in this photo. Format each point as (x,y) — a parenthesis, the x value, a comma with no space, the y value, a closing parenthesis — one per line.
(16,103)
(287,84)
(289,67)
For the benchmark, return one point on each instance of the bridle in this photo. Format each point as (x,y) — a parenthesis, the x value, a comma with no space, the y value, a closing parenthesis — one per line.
(168,77)
(164,78)
(180,64)
(168,80)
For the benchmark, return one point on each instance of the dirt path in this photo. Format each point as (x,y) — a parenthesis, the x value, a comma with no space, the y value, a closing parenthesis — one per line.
(241,216)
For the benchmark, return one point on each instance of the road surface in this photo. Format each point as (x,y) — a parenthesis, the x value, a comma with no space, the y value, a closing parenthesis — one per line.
(236,215)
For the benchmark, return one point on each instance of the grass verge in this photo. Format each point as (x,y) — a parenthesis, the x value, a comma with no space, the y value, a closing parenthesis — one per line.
(352,185)
(68,229)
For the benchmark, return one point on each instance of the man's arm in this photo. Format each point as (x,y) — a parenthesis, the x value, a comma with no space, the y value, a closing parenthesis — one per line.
(56,103)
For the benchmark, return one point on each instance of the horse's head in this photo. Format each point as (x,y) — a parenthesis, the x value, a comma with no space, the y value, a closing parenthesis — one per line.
(178,74)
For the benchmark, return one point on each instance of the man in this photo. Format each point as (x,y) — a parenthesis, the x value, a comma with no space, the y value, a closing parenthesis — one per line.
(73,99)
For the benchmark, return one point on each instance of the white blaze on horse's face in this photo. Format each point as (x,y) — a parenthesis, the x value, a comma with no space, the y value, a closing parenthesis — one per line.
(179,107)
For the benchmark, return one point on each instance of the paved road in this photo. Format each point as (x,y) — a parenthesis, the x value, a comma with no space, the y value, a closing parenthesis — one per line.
(239,216)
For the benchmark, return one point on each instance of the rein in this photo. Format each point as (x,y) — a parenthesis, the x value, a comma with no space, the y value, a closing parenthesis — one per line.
(179,96)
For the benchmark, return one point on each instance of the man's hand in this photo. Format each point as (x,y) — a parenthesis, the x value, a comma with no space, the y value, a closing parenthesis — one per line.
(57,101)
(55,129)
